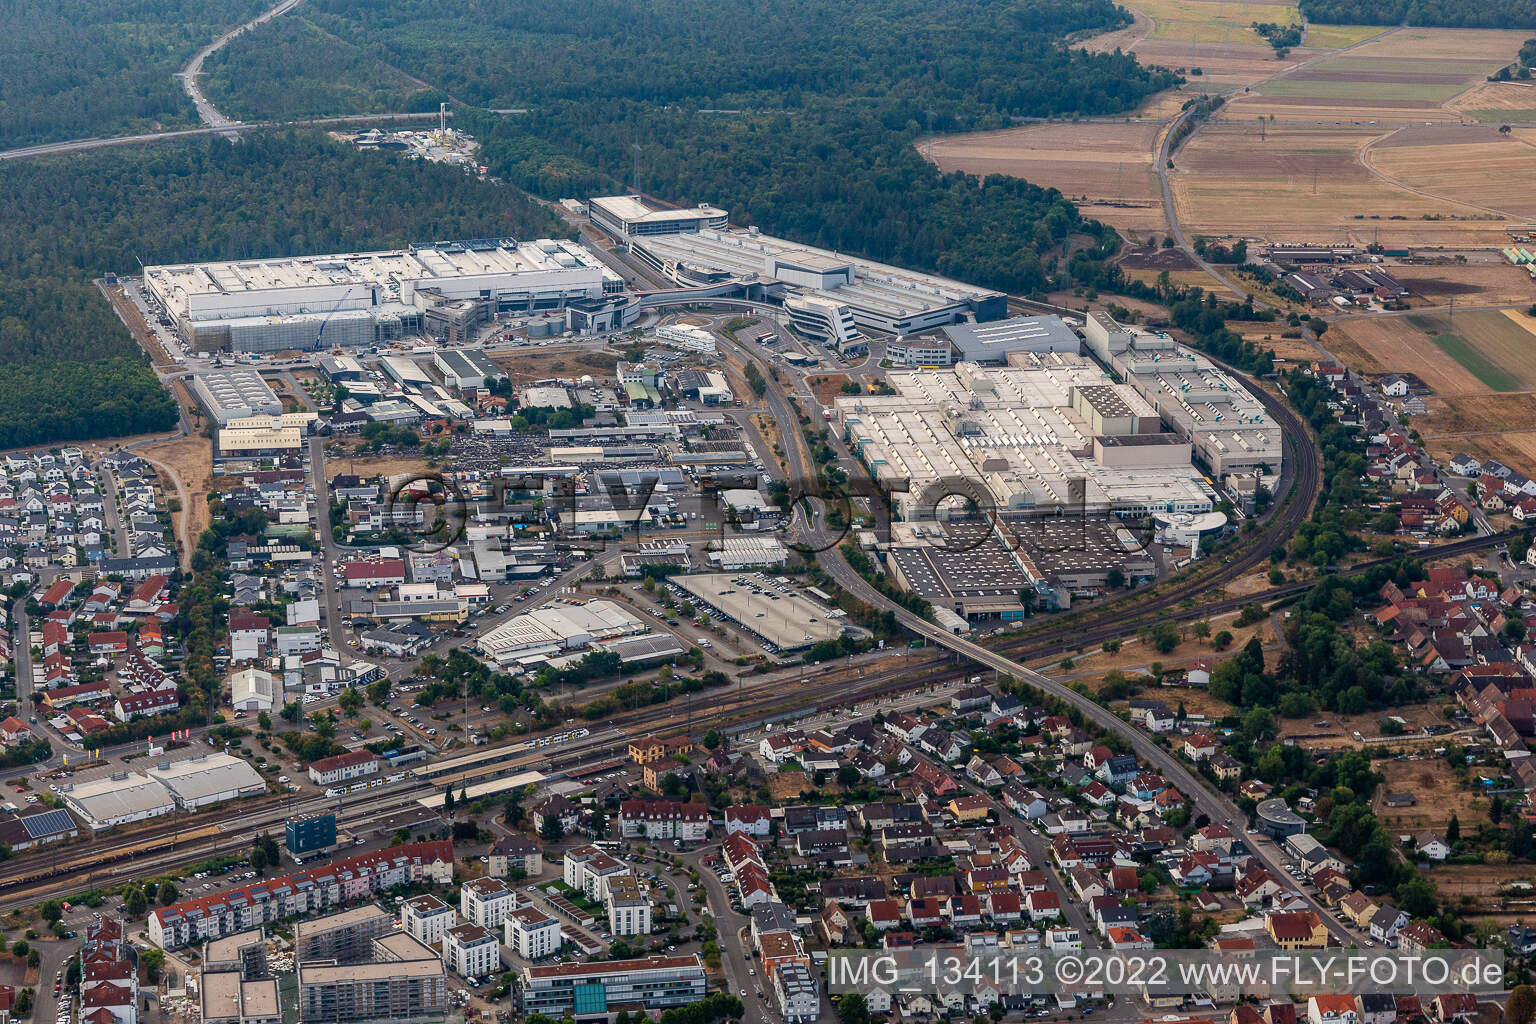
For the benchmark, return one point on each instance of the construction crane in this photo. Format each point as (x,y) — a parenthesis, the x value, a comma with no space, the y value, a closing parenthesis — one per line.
(320,334)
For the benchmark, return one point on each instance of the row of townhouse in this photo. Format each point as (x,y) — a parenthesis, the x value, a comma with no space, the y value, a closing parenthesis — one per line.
(347,880)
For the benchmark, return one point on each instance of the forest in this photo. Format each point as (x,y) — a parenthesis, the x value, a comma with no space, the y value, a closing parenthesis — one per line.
(1424,13)
(101,67)
(69,370)
(796,117)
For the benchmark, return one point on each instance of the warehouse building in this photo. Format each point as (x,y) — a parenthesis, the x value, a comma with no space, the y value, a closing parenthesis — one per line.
(589,990)
(467,370)
(979,570)
(1228,428)
(784,617)
(536,636)
(352,299)
(117,800)
(207,779)
(405,371)
(626,216)
(341,369)
(256,438)
(1018,439)
(989,344)
(235,394)
(876,296)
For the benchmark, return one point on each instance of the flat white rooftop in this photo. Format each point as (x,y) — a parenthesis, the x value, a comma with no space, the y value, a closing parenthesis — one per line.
(876,287)
(636,211)
(559,627)
(330,283)
(1013,432)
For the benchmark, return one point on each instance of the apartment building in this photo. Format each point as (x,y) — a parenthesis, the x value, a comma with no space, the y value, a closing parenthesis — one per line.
(471,951)
(629,907)
(532,933)
(485,902)
(426,919)
(346,937)
(342,881)
(587,868)
(404,981)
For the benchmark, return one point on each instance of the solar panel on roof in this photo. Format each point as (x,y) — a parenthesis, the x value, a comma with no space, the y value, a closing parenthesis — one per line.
(49,823)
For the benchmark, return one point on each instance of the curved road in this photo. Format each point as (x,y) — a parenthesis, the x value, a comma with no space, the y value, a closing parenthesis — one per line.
(82,145)
(206,111)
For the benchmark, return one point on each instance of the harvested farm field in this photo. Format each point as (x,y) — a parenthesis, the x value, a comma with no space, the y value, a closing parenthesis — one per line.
(1234,179)
(1497,349)
(1439,794)
(1392,344)
(1337,37)
(1105,167)
(1492,283)
(1215,21)
(1475,165)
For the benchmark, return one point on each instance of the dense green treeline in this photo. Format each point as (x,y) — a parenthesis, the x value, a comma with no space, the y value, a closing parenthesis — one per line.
(350,78)
(1430,13)
(729,53)
(101,67)
(69,369)
(796,117)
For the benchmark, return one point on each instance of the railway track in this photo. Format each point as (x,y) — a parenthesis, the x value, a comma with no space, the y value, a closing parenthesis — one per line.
(44,875)
(51,872)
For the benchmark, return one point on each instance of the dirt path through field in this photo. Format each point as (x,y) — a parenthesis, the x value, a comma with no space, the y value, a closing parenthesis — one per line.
(1363,155)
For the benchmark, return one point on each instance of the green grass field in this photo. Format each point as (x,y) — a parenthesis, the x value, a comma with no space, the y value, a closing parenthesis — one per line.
(1336,37)
(1214,21)
(1421,65)
(1524,116)
(1477,364)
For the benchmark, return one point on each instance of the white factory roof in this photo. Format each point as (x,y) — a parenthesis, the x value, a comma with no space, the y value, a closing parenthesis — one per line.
(363,278)
(1014,430)
(876,286)
(236,388)
(125,794)
(542,397)
(558,627)
(634,210)
(198,778)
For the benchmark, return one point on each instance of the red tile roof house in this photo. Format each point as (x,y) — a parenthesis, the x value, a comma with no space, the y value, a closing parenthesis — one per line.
(111,642)
(64,696)
(57,594)
(146,597)
(163,701)
(883,914)
(342,767)
(14,731)
(385,572)
(1044,905)
(268,900)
